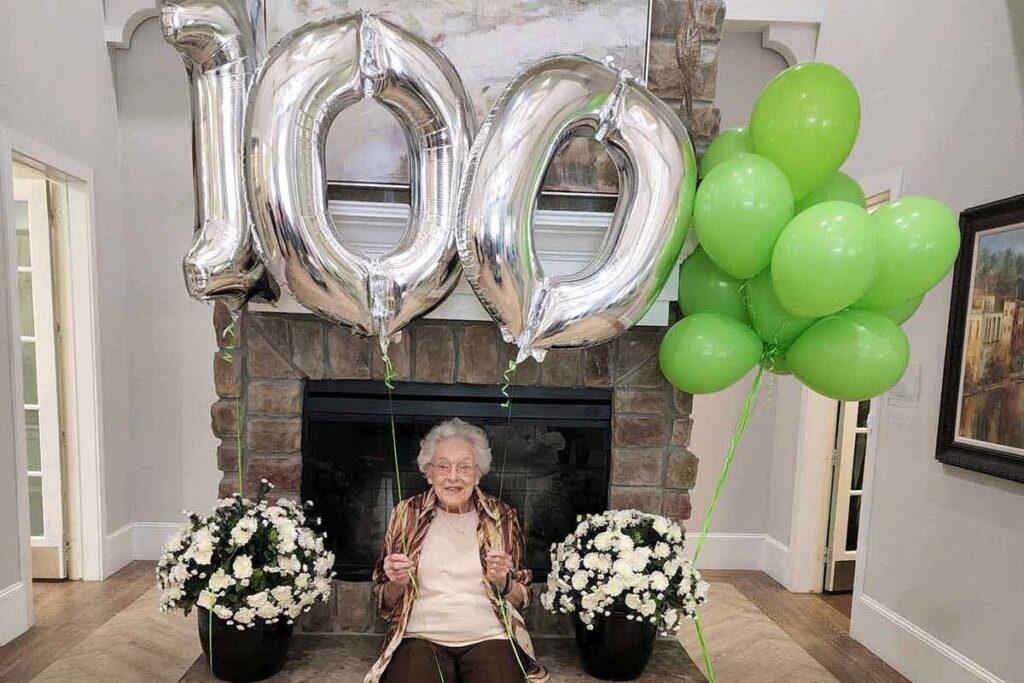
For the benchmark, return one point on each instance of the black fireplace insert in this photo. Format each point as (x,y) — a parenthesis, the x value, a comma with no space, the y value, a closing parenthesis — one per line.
(551,458)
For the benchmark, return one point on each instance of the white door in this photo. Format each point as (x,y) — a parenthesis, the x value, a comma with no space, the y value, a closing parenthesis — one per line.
(847,482)
(39,362)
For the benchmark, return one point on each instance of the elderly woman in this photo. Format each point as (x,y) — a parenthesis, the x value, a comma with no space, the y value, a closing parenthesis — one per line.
(449,569)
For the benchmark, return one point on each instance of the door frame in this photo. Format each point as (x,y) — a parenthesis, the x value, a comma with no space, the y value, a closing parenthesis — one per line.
(77,259)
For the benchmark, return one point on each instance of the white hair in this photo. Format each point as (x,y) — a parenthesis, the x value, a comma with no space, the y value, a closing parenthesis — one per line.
(456,429)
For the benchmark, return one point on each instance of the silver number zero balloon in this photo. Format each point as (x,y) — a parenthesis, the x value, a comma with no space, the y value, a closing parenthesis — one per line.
(220,43)
(522,133)
(312,75)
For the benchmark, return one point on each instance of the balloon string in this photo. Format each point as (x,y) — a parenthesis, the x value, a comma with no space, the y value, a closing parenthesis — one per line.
(508,381)
(704,648)
(507,390)
(741,425)
(228,356)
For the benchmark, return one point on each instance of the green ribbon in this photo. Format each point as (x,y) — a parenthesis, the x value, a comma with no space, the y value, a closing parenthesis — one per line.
(704,648)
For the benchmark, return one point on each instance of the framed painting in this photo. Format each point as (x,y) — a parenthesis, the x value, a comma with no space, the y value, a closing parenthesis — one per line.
(981,415)
(489,43)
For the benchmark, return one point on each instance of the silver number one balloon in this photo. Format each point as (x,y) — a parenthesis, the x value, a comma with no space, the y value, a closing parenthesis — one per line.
(221,42)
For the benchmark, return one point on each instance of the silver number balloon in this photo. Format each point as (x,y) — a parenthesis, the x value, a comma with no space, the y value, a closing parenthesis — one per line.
(657,179)
(220,43)
(312,75)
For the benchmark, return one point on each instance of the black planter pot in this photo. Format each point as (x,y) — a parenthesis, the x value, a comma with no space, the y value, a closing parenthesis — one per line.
(617,649)
(241,656)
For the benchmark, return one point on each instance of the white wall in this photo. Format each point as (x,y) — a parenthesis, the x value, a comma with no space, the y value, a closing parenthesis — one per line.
(941,89)
(56,88)
(173,341)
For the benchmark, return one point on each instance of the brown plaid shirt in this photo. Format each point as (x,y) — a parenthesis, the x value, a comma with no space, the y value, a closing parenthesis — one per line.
(498,529)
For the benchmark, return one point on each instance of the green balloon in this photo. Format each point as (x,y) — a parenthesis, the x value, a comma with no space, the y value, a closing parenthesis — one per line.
(774,324)
(850,356)
(707,352)
(740,209)
(918,242)
(825,259)
(806,120)
(901,312)
(727,145)
(706,288)
(840,187)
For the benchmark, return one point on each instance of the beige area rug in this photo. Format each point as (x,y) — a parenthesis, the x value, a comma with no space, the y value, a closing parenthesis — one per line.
(140,643)
(746,645)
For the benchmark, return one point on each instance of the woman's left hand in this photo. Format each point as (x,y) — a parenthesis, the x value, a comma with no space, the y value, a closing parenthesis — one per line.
(499,564)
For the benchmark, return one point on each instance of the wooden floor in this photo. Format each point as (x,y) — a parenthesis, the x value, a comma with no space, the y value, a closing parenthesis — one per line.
(66,613)
(818,626)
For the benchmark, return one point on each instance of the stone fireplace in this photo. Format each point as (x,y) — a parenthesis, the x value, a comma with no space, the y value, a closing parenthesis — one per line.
(650,466)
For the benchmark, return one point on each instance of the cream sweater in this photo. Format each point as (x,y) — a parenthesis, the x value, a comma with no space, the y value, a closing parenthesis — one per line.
(452,608)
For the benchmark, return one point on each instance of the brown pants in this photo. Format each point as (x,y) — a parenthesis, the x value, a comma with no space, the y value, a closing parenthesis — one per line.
(419,661)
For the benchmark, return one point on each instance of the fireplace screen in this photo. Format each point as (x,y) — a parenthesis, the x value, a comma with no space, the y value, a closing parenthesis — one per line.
(555,456)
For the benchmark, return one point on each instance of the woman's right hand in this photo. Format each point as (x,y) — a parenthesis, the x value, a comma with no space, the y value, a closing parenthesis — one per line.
(397,568)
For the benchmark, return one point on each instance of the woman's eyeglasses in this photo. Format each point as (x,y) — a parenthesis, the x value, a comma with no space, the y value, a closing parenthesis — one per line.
(464,469)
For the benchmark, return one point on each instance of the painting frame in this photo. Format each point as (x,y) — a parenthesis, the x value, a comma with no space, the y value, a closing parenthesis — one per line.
(950,448)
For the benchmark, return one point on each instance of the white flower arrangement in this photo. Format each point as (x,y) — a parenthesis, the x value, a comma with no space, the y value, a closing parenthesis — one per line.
(250,562)
(624,562)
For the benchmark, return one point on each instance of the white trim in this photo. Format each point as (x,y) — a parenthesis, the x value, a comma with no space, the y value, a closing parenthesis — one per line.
(118,550)
(148,538)
(788,27)
(565,242)
(911,650)
(84,424)
(796,43)
(15,612)
(760,552)
(119,30)
(811,485)
(20,619)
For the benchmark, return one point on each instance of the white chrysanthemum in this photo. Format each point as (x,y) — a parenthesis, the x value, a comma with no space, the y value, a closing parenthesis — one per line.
(282,595)
(661,525)
(222,612)
(572,562)
(633,601)
(242,567)
(220,580)
(289,564)
(302,580)
(580,580)
(205,599)
(567,603)
(671,568)
(268,611)
(245,615)
(648,608)
(614,587)
(662,550)
(604,540)
(659,582)
(243,530)
(257,600)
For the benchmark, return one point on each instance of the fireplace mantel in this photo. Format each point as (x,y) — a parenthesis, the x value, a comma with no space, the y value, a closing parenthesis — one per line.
(565,241)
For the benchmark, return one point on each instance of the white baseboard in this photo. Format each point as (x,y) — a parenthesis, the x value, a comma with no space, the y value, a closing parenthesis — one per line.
(776,560)
(14,612)
(148,538)
(745,551)
(136,541)
(118,550)
(911,650)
